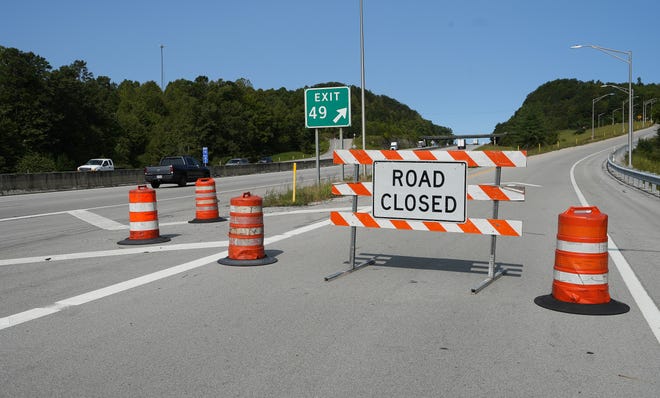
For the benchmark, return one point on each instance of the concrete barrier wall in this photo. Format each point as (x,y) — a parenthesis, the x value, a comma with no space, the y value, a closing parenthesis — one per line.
(11,184)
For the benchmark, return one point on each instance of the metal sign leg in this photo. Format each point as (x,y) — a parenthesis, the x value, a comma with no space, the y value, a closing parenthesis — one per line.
(351,253)
(493,274)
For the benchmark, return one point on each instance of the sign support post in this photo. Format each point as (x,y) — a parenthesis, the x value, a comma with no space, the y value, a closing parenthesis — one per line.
(492,275)
(318,156)
(351,253)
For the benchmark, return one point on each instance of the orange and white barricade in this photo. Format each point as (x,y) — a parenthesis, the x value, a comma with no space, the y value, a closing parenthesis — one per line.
(143,218)
(580,284)
(206,202)
(484,226)
(246,232)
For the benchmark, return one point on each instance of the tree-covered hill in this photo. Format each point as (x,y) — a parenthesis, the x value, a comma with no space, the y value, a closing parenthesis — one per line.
(57,119)
(566,104)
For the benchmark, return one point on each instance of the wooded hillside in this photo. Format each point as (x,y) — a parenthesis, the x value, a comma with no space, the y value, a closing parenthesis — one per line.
(57,119)
(566,104)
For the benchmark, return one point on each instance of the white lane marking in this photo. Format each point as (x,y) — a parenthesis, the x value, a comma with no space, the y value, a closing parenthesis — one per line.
(35,313)
(115,252)
(32,216)
(126,204)
(97,220)
(640,295)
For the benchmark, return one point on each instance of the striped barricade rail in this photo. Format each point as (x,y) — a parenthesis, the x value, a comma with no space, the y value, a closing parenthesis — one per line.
(484,226)
(514,193)
(472,158)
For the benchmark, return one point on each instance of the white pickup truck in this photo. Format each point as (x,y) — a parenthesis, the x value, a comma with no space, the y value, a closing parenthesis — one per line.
(97,165)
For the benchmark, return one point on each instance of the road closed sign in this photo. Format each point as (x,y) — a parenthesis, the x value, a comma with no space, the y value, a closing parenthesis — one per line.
(418,190)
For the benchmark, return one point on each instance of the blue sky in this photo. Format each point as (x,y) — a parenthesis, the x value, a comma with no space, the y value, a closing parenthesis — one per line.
(467,65)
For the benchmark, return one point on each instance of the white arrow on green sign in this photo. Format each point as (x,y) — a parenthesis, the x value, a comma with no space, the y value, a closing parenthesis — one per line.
(327,107)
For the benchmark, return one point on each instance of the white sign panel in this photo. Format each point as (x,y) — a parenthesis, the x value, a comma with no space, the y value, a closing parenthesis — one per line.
(419,190)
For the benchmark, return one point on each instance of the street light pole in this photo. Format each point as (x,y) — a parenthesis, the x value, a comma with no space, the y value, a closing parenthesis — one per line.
(613,53)
(647,102)
(617,109)
(623,104)
(362,106)
(161,67)
(593,107)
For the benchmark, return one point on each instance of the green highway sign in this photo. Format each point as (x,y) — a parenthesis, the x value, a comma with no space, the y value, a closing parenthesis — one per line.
(327,107)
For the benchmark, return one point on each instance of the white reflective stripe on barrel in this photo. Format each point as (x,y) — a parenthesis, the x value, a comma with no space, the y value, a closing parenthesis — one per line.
(140,207)
(580,279)
(245,209)
(246,242)
(143,225)
(580,247)
(206,202)
(247,231)
(206,208)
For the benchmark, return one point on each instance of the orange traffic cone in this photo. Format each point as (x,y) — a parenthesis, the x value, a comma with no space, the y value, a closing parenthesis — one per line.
(580,283)
(143,218)
(246,232)
(206,202)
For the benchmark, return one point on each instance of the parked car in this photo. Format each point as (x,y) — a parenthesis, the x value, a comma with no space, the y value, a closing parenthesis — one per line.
(237,162)
(100,164)
(175,170)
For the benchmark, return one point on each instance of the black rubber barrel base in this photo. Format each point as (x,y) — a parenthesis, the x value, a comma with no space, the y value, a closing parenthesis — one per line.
(613,307)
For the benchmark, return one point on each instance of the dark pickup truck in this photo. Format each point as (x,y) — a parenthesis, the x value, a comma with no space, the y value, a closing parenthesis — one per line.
(175,170)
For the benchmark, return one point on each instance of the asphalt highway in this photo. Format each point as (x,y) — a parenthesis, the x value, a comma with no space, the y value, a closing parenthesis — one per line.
(81,316)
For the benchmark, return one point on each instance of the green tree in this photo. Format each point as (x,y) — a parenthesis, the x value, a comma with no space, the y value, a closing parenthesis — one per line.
(84,120)
(530,128)
(25,117)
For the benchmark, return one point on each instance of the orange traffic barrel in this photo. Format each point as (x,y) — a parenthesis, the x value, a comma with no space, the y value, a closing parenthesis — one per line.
(580,284)
(246,232)
(143,218)
(206,202)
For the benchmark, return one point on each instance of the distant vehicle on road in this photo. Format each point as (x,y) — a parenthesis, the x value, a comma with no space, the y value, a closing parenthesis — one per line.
(99,164)
(394,146)
(265,159)
(460,143)
(178,170)
(237,162)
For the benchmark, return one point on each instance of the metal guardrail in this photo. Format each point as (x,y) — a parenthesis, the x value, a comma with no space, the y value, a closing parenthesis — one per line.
(647,182)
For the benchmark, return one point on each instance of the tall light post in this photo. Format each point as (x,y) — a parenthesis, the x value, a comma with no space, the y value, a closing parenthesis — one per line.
(161,68)
(593,108)
(648,102)
(362,106)
(364,130)
(623,104)
(616,110)
(613,53)
(599,116)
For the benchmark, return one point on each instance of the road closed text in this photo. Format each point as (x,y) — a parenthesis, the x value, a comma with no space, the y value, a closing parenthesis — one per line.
(420,190)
